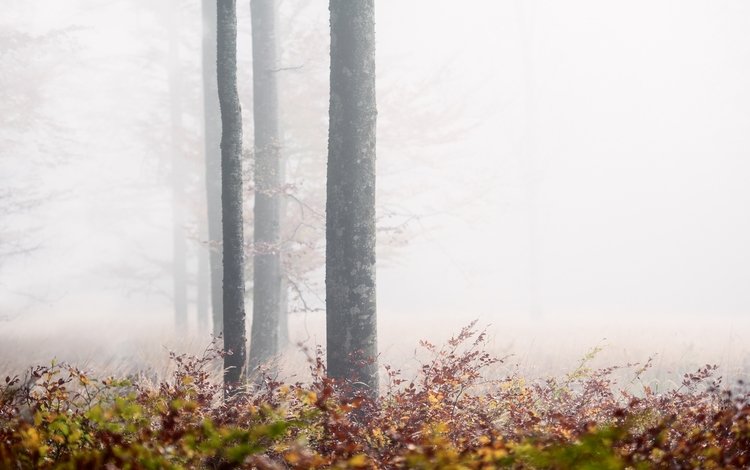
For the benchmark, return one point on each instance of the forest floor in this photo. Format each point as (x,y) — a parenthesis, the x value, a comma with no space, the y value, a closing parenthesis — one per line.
(535,348)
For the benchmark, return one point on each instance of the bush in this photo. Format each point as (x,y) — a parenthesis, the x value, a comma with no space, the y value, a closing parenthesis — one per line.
(451,415)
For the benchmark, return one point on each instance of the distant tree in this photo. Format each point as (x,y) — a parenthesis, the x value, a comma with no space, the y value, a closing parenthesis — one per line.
(231,194)
(268,186)
(178,176)
(175,164)
(529,155)
(203,274)
(212,149)
(351,322)
(26,127)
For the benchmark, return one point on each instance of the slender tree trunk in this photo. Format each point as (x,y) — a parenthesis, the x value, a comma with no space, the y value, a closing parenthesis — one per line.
(231,194)
(351,321)
(264,341)
(284,300)
(212,142)
(203,281)
(529,156)
(179,242)
(284,312)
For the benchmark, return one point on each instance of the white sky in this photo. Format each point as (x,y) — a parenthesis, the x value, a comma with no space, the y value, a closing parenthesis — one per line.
(627,123)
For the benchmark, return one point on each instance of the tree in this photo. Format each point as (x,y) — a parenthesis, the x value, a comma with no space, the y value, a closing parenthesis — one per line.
(178,163)
(26,126)
(268,186)
(351,322)
(212,143)
(231,193)
(416,130)
(179,241)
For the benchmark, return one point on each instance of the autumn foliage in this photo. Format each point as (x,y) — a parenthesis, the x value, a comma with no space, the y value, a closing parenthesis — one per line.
(451,414)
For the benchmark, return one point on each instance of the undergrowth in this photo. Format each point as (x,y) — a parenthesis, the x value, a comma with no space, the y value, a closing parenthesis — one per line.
(450,415)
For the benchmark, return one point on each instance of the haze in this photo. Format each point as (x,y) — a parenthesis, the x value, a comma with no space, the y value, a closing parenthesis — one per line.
(563,171)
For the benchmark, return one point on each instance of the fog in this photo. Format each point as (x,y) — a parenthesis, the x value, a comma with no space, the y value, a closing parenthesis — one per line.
(572,174)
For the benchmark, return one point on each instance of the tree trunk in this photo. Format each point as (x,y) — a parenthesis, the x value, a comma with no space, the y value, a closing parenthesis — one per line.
(203,282)
(266,217)
(284,308)
(284,299)
(351,321)
(212,142)
(529,157)
(179,242)
(231,194)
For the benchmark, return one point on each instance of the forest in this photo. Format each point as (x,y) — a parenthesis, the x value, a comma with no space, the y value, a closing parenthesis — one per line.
(429,234)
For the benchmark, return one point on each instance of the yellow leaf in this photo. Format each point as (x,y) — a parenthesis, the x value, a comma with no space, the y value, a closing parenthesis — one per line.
(359,460)
(310,397)
(31,438)
(292,457)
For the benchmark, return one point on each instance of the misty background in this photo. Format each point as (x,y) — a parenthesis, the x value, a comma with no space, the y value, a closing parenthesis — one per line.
(572,173)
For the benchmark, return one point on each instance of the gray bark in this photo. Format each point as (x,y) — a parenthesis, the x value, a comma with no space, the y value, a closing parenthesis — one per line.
(212,142)
(231,194)
(351,322)
(179,241)
(264,341)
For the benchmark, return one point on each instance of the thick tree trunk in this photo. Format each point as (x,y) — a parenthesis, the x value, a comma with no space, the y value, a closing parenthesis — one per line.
(231,194)
(179,241)
(212,142)
(351,322)
(264,342)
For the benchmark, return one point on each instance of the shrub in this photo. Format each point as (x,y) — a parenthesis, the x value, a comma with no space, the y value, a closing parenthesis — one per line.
(450,415)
